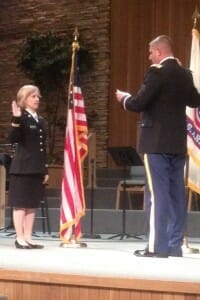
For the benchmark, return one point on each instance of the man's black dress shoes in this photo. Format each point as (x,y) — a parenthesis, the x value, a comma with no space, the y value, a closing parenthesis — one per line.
(146,253)
(19,246)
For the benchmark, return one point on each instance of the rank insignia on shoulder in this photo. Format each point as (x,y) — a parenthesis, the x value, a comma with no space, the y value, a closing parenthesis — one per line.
(156,66)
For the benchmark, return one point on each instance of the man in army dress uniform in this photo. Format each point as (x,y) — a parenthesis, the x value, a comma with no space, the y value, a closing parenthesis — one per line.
(166,91)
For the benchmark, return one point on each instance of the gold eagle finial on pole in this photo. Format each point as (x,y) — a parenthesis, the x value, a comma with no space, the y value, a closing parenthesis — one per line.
(75,48)
(195,17)
(75,44)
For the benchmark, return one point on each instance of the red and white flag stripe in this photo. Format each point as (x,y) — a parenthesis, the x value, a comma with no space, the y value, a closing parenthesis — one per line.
(75,150)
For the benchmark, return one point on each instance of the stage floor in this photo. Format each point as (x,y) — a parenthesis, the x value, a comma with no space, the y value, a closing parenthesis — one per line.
(102,257)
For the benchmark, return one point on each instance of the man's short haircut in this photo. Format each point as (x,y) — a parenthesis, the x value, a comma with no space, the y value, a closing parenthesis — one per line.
(161,41)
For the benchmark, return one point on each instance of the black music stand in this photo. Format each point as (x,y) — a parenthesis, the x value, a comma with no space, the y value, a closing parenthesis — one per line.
(124,157)
(92,235)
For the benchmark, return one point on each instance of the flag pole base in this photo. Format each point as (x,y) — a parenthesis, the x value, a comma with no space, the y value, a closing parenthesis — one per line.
(73,244)
(189,250)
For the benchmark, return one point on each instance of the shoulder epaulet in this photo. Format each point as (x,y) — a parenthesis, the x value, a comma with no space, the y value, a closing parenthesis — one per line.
(156,66)
(178,61)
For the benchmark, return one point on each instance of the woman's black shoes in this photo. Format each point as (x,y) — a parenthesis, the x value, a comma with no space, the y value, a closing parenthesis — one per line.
(28,246)
(19,246)
(35,246)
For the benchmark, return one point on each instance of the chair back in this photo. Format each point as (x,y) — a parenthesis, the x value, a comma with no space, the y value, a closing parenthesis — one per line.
(137,171)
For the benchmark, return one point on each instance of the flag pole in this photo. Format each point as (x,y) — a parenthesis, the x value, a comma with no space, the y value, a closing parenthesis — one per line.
(75,47)
(186,248)
(195,17)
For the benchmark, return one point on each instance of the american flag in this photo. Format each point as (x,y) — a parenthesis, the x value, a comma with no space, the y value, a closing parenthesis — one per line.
(75,150)
(193,119)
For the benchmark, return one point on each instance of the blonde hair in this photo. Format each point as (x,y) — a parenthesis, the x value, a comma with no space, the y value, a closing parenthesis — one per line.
(24,92)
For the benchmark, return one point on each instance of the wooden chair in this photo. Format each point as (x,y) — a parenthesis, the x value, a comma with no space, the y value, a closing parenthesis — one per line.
(192,196)
(134,184)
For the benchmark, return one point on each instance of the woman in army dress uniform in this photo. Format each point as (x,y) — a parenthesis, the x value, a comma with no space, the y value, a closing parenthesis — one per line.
(28,171)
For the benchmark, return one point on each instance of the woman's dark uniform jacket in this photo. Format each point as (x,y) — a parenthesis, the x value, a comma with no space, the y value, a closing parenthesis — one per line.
(166,91)
(30,154)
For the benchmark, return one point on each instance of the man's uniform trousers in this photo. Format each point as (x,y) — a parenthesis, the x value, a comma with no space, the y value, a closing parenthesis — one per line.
(165,202)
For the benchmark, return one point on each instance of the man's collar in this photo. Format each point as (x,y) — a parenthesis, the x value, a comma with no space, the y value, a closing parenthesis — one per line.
(164,59)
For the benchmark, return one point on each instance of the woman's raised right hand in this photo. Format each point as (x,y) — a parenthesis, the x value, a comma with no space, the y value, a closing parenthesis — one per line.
(16,110)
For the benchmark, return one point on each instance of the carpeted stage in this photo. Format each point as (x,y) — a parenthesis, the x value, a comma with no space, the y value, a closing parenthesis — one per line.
(105,270)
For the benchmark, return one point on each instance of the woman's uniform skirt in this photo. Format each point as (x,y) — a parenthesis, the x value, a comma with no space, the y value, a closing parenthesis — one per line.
(25,191)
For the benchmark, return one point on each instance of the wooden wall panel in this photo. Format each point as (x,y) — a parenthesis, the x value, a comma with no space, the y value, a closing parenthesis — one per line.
(84,295)
(41,291)
(49,286)
(158,296)
(133,24)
